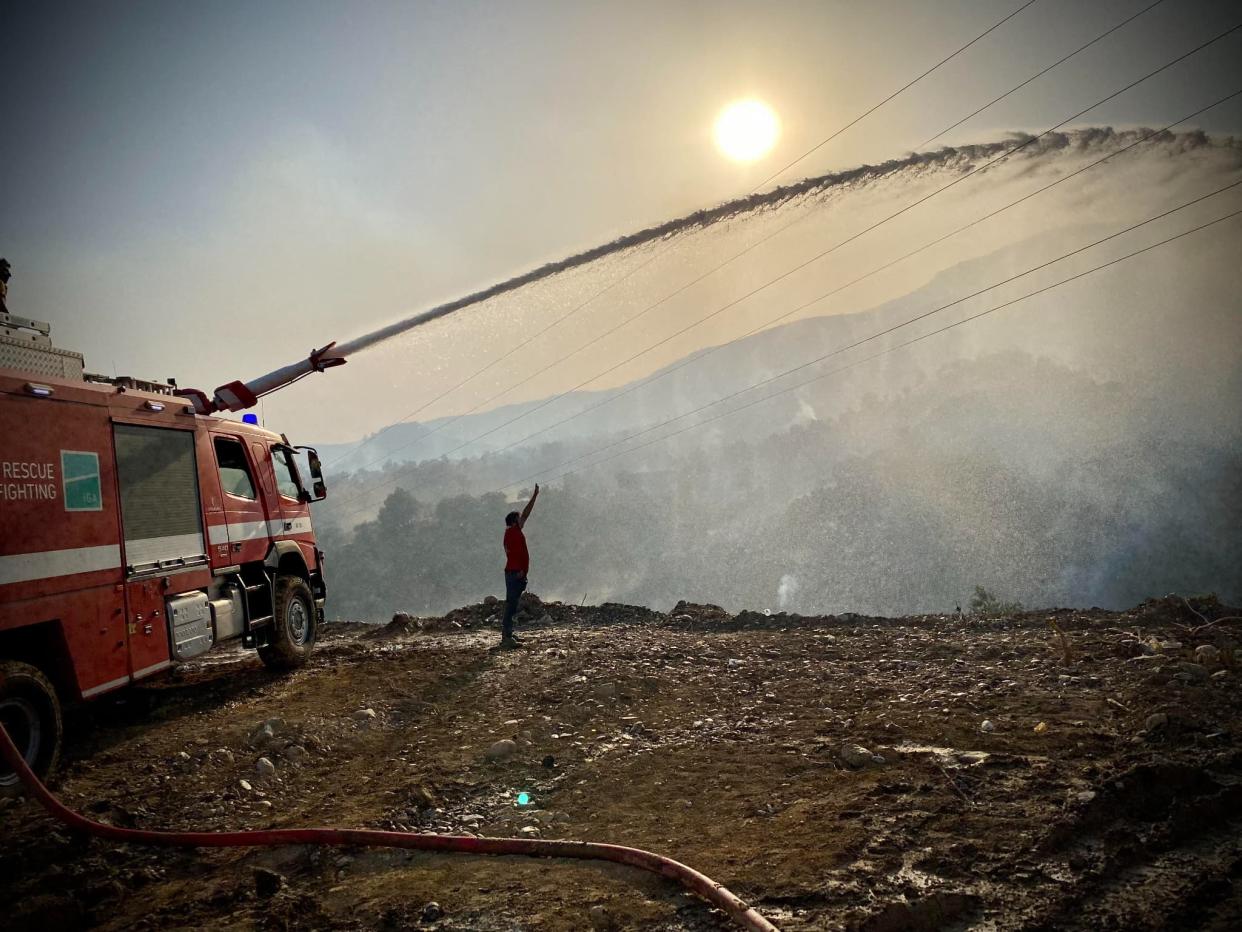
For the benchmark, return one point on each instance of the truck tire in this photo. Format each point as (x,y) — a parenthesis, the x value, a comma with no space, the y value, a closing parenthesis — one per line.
(293,625)
(30,711)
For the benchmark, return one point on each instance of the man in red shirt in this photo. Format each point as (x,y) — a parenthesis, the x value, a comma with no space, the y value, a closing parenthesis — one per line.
(517,565)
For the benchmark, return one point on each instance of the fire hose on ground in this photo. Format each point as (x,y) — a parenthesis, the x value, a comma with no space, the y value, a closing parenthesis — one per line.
(692,880)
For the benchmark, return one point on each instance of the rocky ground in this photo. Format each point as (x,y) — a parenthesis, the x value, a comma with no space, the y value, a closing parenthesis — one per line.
(919,773)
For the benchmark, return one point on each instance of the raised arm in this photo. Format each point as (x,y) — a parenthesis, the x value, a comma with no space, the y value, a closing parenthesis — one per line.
(529,507)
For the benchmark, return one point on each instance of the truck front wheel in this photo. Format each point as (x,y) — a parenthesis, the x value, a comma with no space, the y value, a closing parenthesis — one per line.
(30,712)
(293,625)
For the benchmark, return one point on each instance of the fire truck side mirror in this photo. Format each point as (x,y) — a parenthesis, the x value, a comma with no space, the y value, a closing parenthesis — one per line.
(321,490)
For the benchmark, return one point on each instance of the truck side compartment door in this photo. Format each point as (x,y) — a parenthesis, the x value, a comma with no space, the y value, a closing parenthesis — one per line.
(60,553)
(162,531)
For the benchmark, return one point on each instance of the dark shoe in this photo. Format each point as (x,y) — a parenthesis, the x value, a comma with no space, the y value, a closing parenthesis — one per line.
(509,644)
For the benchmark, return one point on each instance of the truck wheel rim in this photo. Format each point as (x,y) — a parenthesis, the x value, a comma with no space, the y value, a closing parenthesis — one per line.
(298,621)
(21,721)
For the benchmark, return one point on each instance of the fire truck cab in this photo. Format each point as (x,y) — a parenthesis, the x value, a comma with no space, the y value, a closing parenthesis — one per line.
(136,533)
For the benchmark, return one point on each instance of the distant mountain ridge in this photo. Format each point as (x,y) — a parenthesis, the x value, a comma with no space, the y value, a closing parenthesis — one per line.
(728,368)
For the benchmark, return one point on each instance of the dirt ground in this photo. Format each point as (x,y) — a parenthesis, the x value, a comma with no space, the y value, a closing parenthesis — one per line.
(1005,777)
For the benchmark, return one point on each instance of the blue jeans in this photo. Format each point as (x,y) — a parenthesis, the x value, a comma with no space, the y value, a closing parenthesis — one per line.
(515,585)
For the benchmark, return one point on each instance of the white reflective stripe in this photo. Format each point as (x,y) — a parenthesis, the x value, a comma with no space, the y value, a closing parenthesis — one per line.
(104,687)
(155,549)
(296,526)
(23,567)
(253,530)
(154,668)
(237,531)
(248,530)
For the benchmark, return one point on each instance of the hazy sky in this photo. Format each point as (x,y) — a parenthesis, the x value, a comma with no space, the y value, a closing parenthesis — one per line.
(208,190)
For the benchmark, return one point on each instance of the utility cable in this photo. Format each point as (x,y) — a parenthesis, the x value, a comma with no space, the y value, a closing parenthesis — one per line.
(636,269)
(1041,73)
(922,200)
(820,145)
(910,342)
(698,357)
(495,362)
(1008,152)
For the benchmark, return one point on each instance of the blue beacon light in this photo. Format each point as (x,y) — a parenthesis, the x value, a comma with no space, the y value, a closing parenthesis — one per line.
(250,419)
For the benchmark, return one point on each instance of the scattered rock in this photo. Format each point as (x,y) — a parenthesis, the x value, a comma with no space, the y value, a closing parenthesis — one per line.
(432,911)
(857,756)
(603,919)
(264,767)
(502,749)
(365,715)
(549,762)
(1156,721)
(262,736)
(245,785)
(267,883)
(987,727)
(1207,654)
(1192,672)
(490,600)
(295,753)
(402,623)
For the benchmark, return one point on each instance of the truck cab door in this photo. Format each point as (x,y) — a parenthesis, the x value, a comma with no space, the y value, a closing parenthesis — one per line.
(291,494)
(245,528)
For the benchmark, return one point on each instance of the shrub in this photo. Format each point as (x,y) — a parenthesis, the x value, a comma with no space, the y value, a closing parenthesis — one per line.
(985,603)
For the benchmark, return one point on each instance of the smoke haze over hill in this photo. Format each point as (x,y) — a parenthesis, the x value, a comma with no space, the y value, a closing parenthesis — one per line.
(1079,447)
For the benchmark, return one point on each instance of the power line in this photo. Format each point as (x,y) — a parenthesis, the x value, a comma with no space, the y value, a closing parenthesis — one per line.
(637,269)
(641,266)
(1019,146)
(494,362)
(1041,73)
(910,342)
(692,360)
(820,145)
(974,171)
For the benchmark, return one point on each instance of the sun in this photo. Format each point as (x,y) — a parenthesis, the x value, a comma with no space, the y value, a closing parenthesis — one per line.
(746,130)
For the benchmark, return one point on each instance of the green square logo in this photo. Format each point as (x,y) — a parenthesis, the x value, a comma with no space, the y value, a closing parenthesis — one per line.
(79,473)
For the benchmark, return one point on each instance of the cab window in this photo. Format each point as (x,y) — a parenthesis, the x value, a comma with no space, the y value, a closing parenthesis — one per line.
(235,475)
(286,478)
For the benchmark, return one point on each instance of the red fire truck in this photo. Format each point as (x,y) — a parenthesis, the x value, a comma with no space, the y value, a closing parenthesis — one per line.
(138,529)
